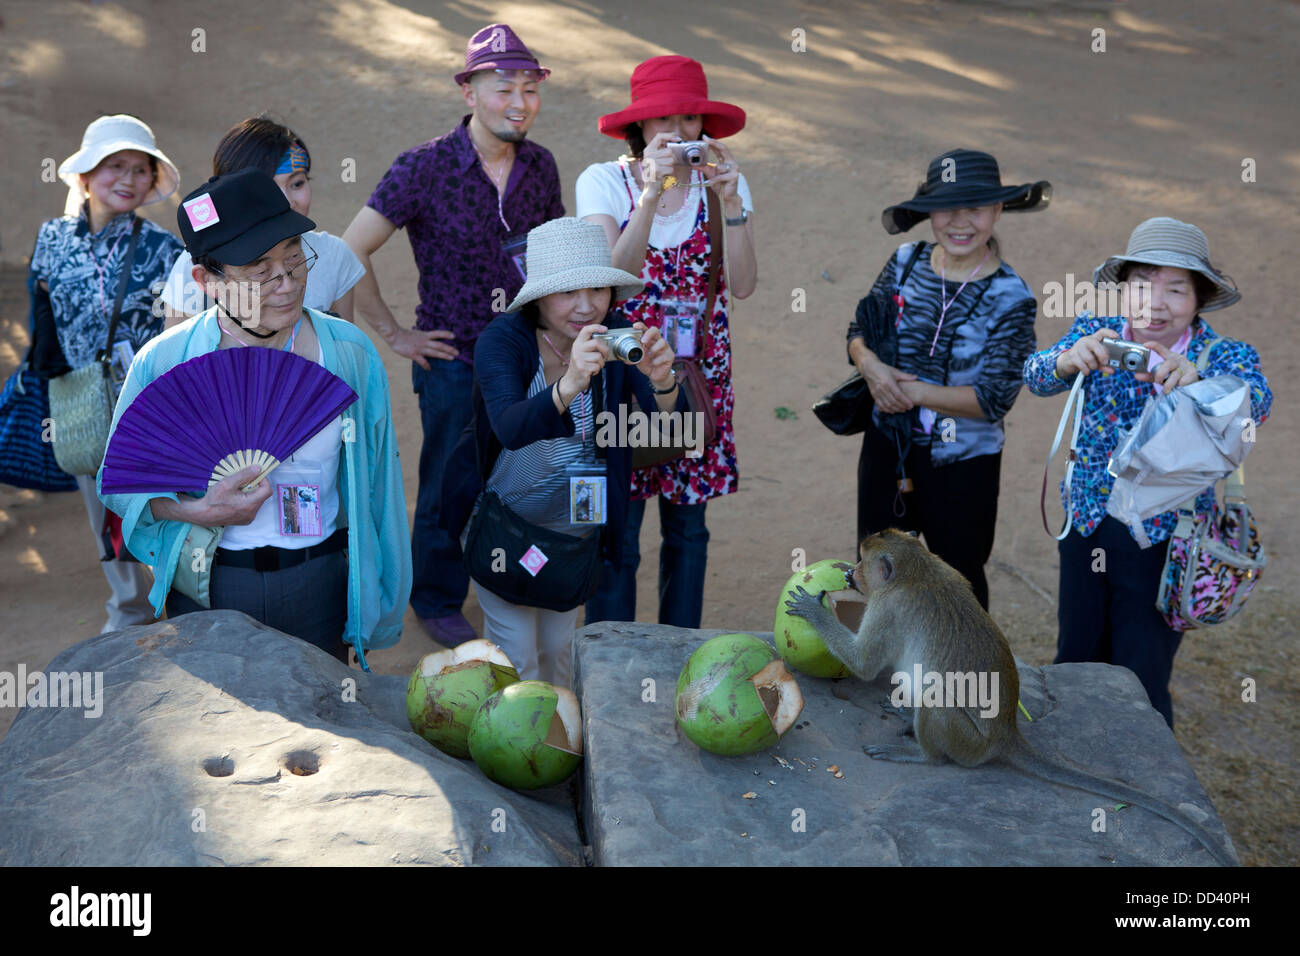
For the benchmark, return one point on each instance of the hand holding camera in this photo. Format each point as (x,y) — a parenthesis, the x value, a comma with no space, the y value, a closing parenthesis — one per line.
(656,362)
(1089,354)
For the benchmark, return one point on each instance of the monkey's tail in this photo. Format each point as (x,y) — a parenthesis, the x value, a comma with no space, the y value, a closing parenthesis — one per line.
(1057,770)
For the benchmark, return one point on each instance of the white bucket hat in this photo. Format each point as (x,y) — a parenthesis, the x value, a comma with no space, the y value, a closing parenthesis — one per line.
(568,254)
(1167,242)
(104,137)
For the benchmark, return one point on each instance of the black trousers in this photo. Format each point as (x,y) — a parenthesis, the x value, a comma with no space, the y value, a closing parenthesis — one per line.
(1109,615)
(955,506)
(308,601)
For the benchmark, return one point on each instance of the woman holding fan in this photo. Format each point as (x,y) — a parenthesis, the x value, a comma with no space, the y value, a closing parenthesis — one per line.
(319,550)
(98,260)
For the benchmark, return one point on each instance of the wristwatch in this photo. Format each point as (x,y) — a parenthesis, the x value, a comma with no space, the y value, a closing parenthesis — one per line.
(743,218)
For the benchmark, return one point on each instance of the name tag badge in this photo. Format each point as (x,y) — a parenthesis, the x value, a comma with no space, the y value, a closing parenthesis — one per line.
(587,494)
(299,510)
(515,249)
(680,324)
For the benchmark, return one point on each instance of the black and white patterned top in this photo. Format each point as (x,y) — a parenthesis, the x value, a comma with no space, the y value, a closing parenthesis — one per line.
(82,272)
(987,334)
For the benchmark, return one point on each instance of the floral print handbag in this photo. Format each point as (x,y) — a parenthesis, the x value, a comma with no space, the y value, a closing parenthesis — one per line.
(1214,562)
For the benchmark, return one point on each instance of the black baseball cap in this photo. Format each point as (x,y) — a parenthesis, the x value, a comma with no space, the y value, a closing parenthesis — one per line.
(237,217)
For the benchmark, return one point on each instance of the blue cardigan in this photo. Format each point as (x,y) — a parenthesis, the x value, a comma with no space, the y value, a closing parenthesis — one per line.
(505,364)
(369,481)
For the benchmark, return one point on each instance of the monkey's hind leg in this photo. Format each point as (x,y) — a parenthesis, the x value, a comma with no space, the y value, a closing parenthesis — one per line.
(905,713)
(915,752)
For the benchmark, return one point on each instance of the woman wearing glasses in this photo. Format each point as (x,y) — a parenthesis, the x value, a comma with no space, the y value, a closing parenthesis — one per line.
(74,282)
(262,143)
(318,549)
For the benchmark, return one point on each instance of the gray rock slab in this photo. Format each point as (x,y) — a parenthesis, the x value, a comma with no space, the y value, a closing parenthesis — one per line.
(192,762)
(651,797)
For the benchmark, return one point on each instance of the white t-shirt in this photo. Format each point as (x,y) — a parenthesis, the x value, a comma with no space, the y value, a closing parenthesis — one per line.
(303,509)
(335,272)
(603,189)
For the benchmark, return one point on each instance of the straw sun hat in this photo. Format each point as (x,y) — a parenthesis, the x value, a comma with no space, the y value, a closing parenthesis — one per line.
(1167,242)
(106,136)
(568,254)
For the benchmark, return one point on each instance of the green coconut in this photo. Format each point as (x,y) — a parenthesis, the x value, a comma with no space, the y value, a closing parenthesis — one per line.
(796,641)
(735,696)
(528,735)
(447,687)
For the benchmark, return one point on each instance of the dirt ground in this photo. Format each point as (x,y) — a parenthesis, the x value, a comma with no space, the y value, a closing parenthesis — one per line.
(1160,123)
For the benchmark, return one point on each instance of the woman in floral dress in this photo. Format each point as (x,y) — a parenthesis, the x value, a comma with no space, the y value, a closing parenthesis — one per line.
(653,207)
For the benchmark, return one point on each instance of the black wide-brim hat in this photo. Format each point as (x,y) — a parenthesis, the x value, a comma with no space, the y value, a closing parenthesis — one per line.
(237,217)
(963,179)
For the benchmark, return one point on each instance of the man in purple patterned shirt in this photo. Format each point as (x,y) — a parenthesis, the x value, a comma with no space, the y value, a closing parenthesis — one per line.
(467,201)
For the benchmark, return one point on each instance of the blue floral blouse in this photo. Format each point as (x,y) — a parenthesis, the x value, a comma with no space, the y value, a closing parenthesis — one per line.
(82,272)
(1114,402)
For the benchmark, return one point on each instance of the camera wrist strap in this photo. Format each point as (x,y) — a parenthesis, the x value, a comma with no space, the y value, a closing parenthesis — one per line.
(1073,407)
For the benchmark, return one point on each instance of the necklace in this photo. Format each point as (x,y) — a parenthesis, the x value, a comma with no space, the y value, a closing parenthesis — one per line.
(945,302)
(288,348)
(496,180)
(563,360)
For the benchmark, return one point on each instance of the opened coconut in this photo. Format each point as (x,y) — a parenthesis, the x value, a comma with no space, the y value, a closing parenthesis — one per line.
(528,735)
(796,640)
(735,696)
(447,688)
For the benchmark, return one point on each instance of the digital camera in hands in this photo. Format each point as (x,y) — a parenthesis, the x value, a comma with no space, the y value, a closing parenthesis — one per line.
(691,153)
(1126,355)
(624,344)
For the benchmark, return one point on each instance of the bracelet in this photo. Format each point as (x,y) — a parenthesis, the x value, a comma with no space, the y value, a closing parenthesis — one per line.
(665,391)
(739,221)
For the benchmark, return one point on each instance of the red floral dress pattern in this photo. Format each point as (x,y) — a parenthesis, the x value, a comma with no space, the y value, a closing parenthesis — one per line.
(682,271)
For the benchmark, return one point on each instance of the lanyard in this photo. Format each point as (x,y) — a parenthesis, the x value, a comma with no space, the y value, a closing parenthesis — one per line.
(288,348)
(946,303)
(99,270)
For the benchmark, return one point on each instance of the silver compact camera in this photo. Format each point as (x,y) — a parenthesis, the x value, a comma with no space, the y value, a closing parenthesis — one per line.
(691,153)
(624,344)
(1126,355)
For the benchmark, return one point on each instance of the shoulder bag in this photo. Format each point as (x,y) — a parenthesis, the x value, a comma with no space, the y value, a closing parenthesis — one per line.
(846,409)
(81,401)
(1215,559)
(689,374)
(502,551)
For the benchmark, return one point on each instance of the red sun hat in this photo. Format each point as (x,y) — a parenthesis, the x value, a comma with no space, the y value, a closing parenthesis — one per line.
(667,85)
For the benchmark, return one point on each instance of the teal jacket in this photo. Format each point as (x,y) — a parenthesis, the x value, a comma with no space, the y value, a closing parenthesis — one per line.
(372,499)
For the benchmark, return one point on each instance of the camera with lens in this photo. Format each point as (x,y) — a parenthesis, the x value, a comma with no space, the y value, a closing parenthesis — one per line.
(692,153)
(1126,355)
(624,344)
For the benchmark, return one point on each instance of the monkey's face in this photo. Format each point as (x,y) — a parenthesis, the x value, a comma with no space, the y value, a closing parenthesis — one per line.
(879,556)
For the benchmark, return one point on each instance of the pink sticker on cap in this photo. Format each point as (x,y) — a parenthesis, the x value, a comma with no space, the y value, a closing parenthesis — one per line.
(202,212)
(533,560)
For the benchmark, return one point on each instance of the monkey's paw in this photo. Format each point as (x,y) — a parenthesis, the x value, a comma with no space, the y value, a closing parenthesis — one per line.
(804,605)
(898,754)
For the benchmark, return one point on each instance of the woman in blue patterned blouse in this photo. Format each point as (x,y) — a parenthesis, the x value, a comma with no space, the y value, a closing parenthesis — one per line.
(965,324)
(1107,612)
(74,276)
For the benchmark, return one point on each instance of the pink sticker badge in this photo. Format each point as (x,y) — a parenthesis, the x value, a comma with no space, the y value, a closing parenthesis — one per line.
(533,560)
(202,212)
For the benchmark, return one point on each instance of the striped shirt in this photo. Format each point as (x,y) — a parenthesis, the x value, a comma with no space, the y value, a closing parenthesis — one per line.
(532,481)
(987,334)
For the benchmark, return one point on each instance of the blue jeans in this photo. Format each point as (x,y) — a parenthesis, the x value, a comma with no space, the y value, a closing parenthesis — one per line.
(683,556)
(439,581)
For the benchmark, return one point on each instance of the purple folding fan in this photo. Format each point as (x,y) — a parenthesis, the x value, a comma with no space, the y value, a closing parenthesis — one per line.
(217,414)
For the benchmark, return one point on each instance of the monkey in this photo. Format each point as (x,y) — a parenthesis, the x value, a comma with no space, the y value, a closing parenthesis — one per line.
(920,610)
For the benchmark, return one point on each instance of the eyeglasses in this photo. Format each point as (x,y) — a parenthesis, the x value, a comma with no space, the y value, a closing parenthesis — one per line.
(295,268)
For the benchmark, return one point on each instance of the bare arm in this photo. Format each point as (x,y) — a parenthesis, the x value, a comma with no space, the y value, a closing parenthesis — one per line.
(959,401)
(368,231)
(224,504)
(342,306)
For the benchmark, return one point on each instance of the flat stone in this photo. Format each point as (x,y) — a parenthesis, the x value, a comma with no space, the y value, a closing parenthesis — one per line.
(652,797)
(222,741)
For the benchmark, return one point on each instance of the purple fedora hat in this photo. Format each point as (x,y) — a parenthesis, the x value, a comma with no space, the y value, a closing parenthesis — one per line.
(496,47)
